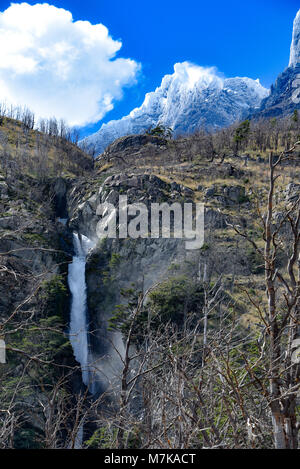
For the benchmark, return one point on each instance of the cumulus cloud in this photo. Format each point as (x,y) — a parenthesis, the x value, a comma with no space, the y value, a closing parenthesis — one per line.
(60,67)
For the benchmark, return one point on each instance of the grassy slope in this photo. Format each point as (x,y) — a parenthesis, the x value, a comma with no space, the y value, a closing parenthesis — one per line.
(36,154)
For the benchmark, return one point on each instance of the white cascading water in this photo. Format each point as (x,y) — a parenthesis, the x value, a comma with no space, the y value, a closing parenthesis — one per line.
(96,373)
(78,316)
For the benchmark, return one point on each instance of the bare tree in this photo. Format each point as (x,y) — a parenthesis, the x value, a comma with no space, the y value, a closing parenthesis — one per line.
(282,316)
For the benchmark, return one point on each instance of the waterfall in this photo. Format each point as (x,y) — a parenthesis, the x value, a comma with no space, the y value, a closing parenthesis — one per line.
(78,316)
(98,372)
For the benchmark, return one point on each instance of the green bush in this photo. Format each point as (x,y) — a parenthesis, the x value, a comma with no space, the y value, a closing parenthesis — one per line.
(55,295)
(175,298)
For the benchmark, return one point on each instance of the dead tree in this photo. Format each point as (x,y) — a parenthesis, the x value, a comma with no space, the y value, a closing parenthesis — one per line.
(282,316)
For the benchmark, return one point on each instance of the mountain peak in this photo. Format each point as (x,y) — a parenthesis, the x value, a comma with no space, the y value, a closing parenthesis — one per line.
(192,97)
(295,46)
(284,97)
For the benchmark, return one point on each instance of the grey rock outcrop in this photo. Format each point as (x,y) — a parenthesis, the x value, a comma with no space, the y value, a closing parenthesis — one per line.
(3,190)
(226,195)
(284,97)
(292,192)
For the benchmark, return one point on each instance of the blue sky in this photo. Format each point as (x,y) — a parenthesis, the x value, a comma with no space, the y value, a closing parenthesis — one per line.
(239,38)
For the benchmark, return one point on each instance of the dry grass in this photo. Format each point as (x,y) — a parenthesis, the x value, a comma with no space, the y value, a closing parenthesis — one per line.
(32,150)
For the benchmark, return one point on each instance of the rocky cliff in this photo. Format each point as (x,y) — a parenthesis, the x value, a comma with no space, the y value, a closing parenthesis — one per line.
(295,46)
(284,96)
(115,265)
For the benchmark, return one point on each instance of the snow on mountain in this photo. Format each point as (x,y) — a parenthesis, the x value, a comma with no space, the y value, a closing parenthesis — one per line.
(192,97)
(284,97)
(295,46)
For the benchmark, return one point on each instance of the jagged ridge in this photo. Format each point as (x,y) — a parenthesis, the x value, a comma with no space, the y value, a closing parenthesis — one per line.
(192,97)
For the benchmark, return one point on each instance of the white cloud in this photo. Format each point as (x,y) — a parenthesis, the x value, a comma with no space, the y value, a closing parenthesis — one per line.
(58,67)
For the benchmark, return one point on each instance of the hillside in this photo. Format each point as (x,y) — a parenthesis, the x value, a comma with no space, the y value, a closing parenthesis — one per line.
(203,310)
(37,154)
(35,251)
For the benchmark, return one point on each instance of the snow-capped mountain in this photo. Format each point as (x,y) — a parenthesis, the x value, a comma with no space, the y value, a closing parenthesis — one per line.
(284,97)
(192,97)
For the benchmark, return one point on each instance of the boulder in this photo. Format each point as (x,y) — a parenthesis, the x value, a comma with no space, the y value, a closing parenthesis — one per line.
(292,192)
(187,192)
(234,194)
(175,187)
(210,192)
(3,190)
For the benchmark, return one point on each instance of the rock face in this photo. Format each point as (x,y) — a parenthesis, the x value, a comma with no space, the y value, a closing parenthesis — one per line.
(133,142)
(116,264)
(285,94)
(192,97)
(292,192)
(295,46)
(227,195)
